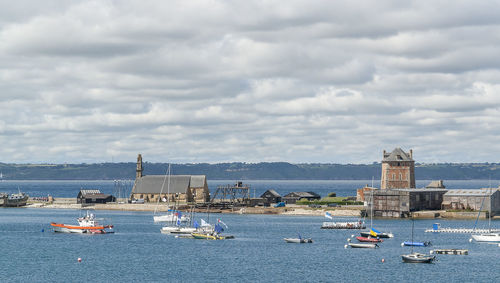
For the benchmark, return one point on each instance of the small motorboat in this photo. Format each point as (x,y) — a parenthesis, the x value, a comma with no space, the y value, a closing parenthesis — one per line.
(298,240)
(87,224)
(379,235)
(369,239)
(416,244)
(210,236)
(362,245)
(418,258)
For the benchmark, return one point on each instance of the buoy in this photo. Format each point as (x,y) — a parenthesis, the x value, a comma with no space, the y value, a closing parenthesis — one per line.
(470,240)
(383,260)
(348,239)
(79,259)
(402,244)
(352,236)
(345,246)
(499,245)
(431,252)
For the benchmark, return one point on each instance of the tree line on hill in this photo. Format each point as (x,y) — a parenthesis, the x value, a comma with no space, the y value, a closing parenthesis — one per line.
(244,171)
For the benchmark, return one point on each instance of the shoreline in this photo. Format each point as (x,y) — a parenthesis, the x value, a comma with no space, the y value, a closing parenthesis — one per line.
(290,210)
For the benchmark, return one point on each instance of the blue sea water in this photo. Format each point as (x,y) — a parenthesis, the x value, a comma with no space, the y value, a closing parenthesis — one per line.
(68,189)
(139,252)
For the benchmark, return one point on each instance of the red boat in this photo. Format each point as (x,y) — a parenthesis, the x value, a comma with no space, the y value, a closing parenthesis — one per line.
(369,239)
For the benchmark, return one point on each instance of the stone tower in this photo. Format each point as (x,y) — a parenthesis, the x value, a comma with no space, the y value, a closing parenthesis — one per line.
(398,170)
(138,170)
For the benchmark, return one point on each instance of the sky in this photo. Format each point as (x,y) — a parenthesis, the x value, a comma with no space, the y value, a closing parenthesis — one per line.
(249,81)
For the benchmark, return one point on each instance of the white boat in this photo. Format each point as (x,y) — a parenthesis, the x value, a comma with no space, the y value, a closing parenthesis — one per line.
(490,236)
(171,217)
(298,240)
(362,245)
(487,237)
(178,230)
(86,224)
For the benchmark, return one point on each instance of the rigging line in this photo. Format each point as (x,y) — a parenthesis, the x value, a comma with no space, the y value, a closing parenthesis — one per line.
(163,185)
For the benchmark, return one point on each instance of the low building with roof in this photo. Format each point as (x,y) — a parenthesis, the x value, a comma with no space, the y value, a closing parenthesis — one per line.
(401,202)
(473,200)
(271,196)
(293,197)
(93,196)
(180,188)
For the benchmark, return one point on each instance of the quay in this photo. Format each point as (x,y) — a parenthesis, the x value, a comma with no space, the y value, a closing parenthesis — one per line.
(436,228)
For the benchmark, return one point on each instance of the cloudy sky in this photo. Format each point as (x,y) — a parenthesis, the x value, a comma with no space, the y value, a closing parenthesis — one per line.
(248,81)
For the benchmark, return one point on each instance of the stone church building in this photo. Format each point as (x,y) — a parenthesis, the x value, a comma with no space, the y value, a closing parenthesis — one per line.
(174,188)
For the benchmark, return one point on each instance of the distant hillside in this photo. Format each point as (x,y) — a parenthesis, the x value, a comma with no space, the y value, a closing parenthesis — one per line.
(244,171)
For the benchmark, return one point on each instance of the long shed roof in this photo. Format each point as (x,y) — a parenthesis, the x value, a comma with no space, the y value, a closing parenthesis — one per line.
(155,184)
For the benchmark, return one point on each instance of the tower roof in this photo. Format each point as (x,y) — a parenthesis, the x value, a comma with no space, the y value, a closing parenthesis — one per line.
(397,155)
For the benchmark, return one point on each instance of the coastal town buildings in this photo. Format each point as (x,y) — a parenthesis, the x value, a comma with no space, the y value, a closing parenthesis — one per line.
(173,188)
(293,197)
(271,196)
(398,170)
(398,195)
(93,196)
(473,200)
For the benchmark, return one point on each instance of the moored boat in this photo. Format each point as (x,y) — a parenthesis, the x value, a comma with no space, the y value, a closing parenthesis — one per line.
(369,239)
(88,224)
(362,245)
(298,240)
(416,244)
(210,236)
(487,237)
(417,258)
(379,235)
(15,200)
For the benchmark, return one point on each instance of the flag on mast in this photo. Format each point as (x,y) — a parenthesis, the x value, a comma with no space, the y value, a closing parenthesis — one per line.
(328,215)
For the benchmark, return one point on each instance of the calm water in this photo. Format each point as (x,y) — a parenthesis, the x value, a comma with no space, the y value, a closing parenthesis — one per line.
(67,189)
(139,252)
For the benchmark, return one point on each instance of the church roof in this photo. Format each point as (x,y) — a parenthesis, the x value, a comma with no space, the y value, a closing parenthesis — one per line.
(155,184)
(397,155)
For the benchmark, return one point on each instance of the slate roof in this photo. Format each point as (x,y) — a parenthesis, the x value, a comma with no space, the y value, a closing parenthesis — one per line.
(471,192)
(303,194)
(89,192)
(271,191)
(397,155)
(152,184)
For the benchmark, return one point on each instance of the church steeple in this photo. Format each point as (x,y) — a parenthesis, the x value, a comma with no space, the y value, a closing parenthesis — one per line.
(138,171)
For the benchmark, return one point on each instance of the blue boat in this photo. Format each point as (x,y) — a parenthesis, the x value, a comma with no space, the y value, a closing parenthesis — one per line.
(416,244)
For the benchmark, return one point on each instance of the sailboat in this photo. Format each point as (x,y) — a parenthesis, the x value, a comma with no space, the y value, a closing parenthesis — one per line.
(367,236)
(414,257)
(172,215)
(490,236)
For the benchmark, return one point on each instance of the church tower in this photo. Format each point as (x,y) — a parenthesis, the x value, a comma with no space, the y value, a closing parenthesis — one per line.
(398,170)
(138,170)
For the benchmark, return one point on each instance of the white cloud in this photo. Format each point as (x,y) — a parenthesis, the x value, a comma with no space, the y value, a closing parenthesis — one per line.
(216,81)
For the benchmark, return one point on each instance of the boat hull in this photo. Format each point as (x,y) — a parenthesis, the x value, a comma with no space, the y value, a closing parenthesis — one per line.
(417,244)
(363,245)
(417,258)
(379,235)
(489,237)
(210,236)
(64,228)
(298,241)
(369,239)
